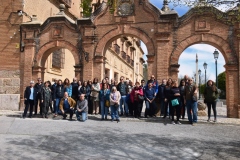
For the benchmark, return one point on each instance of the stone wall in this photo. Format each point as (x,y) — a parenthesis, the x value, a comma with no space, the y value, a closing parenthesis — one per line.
(9,90)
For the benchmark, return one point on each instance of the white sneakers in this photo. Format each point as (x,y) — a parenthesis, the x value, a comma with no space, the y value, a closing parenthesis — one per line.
(178,122)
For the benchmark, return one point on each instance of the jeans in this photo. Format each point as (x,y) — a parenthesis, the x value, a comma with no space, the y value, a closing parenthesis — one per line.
(56,107)
(104,110)
(192,106)
(213,105)
(150,108)
(70,111)
(83,114)
(114,112)
(123,101)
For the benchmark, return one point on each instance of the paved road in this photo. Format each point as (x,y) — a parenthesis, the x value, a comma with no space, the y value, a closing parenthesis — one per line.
(49,139)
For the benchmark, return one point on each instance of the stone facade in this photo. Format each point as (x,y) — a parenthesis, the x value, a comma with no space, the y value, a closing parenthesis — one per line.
(165,34)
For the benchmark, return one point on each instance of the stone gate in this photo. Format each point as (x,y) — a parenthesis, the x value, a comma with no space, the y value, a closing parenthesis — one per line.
(165,34)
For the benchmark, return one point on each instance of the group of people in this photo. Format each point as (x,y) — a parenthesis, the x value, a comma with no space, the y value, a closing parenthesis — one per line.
(123,98)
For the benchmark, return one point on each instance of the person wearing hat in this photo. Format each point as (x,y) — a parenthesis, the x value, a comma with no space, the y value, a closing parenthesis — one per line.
(29,99)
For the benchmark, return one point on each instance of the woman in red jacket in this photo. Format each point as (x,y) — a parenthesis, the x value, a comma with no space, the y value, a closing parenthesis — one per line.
(136,97)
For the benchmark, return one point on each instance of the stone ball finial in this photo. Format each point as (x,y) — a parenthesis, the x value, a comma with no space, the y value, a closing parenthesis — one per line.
(62,7)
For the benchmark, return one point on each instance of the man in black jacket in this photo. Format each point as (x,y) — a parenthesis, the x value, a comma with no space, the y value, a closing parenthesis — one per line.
(29,99)
(38,89)
(161,96)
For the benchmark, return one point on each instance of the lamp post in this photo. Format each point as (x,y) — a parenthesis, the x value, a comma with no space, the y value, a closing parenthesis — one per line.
(215,54)
(199,73)
(205,67)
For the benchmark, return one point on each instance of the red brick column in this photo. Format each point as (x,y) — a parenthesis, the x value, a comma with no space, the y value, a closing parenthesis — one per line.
(26,66)
(232,91)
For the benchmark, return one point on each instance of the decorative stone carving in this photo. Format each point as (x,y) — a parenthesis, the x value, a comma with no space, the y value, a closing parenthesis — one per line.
(57,32)
(202,26)
(125,7)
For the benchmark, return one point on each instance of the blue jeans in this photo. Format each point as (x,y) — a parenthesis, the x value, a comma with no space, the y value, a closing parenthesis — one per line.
(114,112)
(192,106)
(104,110)
(150,108)
(83,114)
(56,106)
(123,101)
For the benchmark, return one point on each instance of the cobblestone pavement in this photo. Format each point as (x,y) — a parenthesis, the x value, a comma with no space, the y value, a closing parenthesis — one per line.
(152,138)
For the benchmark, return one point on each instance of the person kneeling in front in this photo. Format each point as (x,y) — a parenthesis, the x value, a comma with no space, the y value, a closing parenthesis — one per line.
(82,108)
(67,105)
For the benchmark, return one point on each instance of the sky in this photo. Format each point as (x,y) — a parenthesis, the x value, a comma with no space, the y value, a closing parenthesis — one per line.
(188,57)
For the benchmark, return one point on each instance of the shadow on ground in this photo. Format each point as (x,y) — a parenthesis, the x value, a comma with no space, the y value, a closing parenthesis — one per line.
(108,143)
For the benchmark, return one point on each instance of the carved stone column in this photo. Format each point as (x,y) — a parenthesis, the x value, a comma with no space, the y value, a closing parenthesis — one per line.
(78,72)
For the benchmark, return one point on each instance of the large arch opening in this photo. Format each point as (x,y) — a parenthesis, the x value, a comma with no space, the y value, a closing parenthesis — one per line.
(125,56)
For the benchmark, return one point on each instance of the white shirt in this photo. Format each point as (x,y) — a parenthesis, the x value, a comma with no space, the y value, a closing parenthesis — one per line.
(31,95)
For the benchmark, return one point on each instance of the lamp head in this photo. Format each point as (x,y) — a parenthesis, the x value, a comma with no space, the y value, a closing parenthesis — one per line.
(199,72)
(205,65)
(215,54)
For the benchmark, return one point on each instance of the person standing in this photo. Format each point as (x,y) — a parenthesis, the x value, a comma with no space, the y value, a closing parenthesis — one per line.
(82,108)
(46,99)
(74,85)
(104,100)
(161,96)
(142,101)
(122,88)
(58,95)
(175,96)
(210,97)
(38,89)
(53,88)
(149,95)
(68,87)
(182,103)
(67,105)
(154,84)
(167,98)
(115,97)
(190,97)
(137,91)
(95,95)
(29,99)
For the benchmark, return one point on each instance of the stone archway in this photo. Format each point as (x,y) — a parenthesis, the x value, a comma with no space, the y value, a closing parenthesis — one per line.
(230,59)
(124,30)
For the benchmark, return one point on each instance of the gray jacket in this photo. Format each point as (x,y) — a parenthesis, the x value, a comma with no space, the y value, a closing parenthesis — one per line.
(83,105)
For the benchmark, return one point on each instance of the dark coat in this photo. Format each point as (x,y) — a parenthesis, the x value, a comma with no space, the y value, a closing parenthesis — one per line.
(47,100)
(27,94)
(58,93)
(161,89)
(87,91)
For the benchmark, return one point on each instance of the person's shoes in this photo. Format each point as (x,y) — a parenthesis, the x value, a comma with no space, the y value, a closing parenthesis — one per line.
(215,120)
(29,116)
(208,120)
(164,117)
(64,116)
(70,119)
(173,122)
(46,116)
(118,120)
(55,115)
(43,116)
(178,122)
(121,114)
(106,118)
(23,116)
(112,120)
(102,119)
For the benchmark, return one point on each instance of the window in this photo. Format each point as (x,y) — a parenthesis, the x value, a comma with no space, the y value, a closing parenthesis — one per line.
(58,58)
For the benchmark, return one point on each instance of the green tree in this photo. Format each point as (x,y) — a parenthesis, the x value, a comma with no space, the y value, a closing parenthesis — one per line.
(222,84)
(87,8)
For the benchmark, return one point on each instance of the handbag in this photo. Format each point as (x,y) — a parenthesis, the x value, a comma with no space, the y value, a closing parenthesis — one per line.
(174,102)
(141,98)
(107,103)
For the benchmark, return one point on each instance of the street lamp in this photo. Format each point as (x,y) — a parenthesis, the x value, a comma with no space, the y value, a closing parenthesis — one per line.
(215,54)
(205,67)
(199,73)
